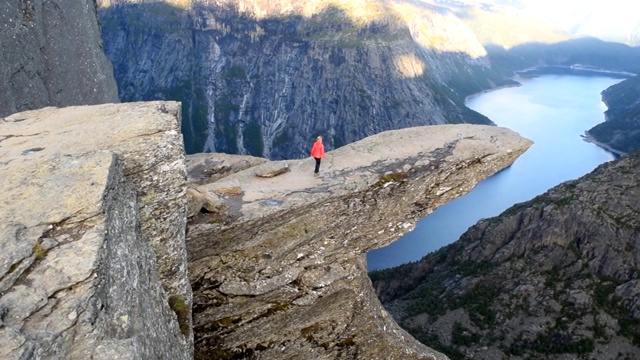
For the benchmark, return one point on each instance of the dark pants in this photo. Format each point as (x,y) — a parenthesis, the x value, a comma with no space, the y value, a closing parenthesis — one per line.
(317,165)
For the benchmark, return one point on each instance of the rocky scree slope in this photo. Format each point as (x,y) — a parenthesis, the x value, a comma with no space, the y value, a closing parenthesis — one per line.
(553,278)
(277,264)
(265,77)
(51,55)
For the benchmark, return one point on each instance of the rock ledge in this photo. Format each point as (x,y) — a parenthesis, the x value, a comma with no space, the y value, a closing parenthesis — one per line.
(92,211)
(280,272)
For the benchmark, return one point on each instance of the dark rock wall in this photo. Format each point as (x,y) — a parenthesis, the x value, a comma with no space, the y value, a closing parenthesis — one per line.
(51,55)
(265,82)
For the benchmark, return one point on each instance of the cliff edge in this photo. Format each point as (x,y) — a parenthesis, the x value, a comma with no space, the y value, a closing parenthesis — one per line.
(94,214)
(277,256)
(92,209)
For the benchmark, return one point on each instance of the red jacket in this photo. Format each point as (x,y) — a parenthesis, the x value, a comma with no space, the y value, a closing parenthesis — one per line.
(317,151)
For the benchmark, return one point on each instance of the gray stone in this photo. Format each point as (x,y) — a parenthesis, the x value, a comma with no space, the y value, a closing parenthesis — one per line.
(203,168)
(92,220)
(284,275)
(271,169)
(51,55)
(203,199)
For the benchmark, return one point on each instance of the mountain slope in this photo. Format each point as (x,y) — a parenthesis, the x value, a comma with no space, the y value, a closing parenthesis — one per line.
(552,277)
(264,78)
(621,131)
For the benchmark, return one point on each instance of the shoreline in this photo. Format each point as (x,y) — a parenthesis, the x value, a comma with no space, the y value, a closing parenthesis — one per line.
(576,69)
(590,139)
(541,70)
(581,71)
(515,84)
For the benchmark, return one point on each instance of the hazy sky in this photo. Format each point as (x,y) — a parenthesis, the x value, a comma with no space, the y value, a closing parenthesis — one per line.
(592,17)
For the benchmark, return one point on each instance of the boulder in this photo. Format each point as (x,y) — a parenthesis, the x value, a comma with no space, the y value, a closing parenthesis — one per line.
(203,200)
(271,169)
(92,210)
(203,168)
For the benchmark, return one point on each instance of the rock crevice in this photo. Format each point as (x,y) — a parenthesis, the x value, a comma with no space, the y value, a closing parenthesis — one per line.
(283,274)
(95,261)
(93,248)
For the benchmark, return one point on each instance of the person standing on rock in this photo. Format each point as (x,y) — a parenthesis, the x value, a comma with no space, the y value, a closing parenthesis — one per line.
(317,151)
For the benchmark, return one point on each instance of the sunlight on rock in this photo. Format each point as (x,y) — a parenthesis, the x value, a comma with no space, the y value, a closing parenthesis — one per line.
(410,65)
(182,4)
(430,29)
(360,12)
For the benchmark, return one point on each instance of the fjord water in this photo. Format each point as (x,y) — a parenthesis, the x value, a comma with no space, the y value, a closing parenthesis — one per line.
(552,110)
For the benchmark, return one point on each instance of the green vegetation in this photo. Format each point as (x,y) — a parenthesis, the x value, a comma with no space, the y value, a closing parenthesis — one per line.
(604,296)
(282,139)
(552,343)
(182,311)
(144,17)
(462,336)
(431,298)
(235,71)
(253,140)
(426,299)
(38,251)
(432,341)
(12,268)
(341,27)
(226,128)
(477,302)
(392,177)
(444,95)
(553,278)
(474,268)
(194,107)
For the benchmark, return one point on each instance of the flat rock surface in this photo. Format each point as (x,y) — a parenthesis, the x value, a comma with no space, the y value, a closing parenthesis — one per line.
(281,271)
(92,214)
(356,166)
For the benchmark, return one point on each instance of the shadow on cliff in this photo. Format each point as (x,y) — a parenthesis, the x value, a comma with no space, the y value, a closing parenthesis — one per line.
(268,86)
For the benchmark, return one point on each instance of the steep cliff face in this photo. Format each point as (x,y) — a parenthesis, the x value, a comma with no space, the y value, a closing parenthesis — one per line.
(555,277)
(92,224)
(51,55)
(264,78)
(621,130)
(277,264)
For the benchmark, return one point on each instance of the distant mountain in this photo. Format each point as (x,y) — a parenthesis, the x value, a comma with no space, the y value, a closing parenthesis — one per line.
(583,51)
(548,20)
(556,277)
(266,77)
(621,130)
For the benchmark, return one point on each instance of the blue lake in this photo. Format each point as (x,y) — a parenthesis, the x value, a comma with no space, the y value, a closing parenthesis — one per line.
(552,110)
